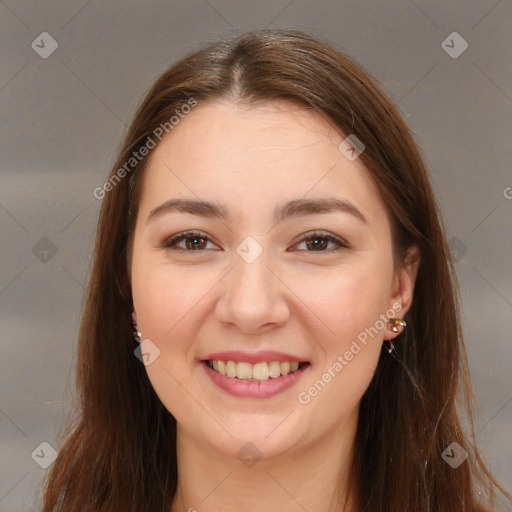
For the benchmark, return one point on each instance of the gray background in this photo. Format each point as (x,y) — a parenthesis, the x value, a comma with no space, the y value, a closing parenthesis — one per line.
(63,118)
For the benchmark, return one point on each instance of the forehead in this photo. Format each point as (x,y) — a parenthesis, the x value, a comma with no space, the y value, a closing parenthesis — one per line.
(254,156)
(230,132)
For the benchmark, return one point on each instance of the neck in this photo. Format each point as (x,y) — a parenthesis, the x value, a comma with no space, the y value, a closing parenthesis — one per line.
(311,478)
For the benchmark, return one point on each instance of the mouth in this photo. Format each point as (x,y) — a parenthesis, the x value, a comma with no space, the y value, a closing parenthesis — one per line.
(257,372)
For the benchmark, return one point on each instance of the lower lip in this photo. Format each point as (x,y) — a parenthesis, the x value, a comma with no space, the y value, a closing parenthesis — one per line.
(246,389)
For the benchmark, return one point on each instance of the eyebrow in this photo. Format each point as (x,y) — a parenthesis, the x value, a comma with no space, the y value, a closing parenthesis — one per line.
(294,208)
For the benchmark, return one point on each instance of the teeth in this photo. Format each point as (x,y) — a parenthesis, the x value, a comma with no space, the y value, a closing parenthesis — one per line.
(244,371)
(259,372)
(230,369)
(274,369)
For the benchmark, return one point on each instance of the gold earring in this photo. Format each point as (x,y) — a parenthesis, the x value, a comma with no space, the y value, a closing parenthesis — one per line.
(395,324)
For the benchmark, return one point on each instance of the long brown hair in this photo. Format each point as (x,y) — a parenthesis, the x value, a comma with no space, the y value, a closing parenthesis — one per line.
(120,453)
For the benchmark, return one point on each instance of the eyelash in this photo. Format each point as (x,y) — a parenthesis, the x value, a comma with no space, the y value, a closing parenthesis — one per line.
(171,242)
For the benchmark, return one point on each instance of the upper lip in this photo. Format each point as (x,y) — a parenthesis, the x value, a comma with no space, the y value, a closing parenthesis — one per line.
(252,357)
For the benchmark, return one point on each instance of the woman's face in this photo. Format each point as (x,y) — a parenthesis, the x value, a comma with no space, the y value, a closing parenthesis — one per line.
(286,259)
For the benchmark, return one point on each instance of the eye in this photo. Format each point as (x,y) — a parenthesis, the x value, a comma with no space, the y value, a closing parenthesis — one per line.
(318,241)
(193,241)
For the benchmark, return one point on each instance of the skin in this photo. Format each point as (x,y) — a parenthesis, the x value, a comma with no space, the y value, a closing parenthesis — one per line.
(292,298)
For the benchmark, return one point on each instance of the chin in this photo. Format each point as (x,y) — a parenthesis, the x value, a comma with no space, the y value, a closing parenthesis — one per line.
(263,439)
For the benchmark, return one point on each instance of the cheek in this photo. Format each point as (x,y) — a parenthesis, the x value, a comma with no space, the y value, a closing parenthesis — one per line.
(167,301)
(351,307)
(165,296)
(348,303)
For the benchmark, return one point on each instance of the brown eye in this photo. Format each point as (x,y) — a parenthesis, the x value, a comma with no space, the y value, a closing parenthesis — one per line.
(194,243)
(319,242)
(187,241)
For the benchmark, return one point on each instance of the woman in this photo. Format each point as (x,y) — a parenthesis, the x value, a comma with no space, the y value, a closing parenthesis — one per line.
(271,321)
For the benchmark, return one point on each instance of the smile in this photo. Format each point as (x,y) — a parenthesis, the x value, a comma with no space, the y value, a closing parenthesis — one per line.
(258,372)
(259,379)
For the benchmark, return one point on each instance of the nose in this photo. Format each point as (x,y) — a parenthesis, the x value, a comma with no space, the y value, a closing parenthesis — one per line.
(253,298)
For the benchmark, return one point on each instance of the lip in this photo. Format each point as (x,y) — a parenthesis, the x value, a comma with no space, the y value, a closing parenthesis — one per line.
(252,357)
(241,388)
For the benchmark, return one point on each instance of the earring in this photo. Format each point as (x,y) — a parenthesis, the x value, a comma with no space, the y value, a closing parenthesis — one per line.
(395,324)
(137,335)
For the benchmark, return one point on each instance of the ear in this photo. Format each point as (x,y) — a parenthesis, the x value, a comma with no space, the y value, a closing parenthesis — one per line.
(134,316)
(403,286)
